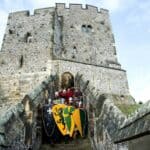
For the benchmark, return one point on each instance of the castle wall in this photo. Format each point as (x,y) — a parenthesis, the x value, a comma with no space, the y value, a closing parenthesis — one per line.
(105,80)
(86,35)
(56,40)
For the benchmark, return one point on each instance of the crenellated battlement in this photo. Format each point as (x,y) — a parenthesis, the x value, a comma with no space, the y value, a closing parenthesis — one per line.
(80,6)
(61,6)
(26,13)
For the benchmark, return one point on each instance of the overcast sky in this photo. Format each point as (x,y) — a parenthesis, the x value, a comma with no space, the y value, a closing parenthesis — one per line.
(131,26)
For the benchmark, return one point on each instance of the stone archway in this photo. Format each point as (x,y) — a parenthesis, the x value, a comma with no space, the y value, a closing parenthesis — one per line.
(28,120)
(67,80)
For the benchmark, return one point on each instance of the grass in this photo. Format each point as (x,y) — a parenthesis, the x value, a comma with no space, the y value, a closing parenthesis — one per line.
(128,109)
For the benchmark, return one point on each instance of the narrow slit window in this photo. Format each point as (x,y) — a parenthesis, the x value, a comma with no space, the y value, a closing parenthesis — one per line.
(21,61)
(84,28)
(74,49)
(28,38)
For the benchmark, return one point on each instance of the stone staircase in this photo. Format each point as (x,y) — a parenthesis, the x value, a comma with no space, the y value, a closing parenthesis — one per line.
(78,144)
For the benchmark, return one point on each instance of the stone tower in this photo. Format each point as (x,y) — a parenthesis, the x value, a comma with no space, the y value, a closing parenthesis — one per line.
(58,40)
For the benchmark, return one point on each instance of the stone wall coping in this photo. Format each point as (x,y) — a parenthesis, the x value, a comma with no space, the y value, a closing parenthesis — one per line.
(38,90)
(134,130)
(139,114)
(60,59)
(127,128)
(135,126)
(7,112)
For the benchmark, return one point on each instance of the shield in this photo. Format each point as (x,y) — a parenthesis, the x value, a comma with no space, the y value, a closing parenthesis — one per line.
(57,111)
(68,119)
(80,119)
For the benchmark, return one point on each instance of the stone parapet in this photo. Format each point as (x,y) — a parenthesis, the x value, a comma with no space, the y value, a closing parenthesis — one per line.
(136,125)
(15,119)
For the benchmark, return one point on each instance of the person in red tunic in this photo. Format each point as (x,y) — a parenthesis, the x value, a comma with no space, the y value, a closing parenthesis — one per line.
(78,93)
(62,93)
(69,93)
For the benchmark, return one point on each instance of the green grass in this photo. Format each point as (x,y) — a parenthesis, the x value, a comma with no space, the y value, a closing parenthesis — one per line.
(128,109)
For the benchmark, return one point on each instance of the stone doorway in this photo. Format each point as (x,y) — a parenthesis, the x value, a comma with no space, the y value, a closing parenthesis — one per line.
(67,80)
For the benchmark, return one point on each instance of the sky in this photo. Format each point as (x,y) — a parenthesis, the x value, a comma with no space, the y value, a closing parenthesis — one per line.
(131,27)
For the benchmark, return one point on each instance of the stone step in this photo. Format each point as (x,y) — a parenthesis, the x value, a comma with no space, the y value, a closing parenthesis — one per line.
(81,144)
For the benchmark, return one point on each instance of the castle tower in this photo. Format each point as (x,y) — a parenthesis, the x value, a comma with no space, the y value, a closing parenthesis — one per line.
(84,43)
(58,40)
(85,36)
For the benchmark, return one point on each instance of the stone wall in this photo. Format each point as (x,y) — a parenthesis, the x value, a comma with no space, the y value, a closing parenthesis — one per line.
(86,35)
(27,43)
(11,124)
(136,126)
(104,79)
(33,43)
(21,123)
(15,87)
(109,128)
(104,117)
(142,143)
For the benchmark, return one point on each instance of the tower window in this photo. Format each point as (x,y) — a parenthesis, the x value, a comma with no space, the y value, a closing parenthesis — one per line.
(86,28)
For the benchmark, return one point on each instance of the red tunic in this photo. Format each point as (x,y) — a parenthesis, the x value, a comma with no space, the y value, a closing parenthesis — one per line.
(68,93)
